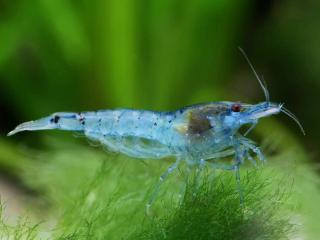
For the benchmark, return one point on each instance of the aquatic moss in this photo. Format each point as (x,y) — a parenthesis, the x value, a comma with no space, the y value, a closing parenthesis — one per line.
(105,197)
(211,210)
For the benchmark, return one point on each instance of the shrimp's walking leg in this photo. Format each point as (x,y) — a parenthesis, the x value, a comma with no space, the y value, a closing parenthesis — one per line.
(249,157)
(222,154)
(250,145)
(236,168)
(161,180)
(237,172)
(199,171)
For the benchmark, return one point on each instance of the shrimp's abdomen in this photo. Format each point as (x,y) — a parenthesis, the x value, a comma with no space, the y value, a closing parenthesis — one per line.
(125,122)
(142,134)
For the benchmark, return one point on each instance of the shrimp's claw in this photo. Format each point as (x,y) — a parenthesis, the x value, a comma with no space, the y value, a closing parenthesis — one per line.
(41,124)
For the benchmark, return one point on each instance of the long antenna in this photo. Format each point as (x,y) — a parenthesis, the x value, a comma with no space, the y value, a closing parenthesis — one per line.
(264,88)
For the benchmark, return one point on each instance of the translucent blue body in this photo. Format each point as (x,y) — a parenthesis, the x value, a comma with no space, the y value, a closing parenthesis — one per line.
(199,134)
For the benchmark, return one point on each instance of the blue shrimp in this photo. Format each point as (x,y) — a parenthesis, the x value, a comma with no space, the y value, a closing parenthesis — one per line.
(198,134)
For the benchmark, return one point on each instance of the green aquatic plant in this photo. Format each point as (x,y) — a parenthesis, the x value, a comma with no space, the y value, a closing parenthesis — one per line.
(22,230)
(105,199)
(211,210)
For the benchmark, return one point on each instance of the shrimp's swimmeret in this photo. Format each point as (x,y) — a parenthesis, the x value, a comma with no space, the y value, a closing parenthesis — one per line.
(198,134)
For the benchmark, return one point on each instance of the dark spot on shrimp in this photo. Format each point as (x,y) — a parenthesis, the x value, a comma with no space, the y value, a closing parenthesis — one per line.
(55,119)
(82,120)
(155,124)
(170,121)
(198,123)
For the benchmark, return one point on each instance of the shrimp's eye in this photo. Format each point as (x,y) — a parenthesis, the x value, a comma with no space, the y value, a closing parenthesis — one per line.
(236,107)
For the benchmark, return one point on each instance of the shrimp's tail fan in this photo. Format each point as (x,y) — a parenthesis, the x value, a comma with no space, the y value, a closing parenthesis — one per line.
(40,124)
(62,121)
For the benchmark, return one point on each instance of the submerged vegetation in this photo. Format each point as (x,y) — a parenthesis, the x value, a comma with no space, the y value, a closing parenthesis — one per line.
(105,197)
(211,210)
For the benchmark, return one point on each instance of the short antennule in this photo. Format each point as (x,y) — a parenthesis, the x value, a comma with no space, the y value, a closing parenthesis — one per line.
(261,81)
(292,116)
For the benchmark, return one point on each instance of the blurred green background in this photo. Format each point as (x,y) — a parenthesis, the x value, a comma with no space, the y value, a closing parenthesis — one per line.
(64,55)
(81,55)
